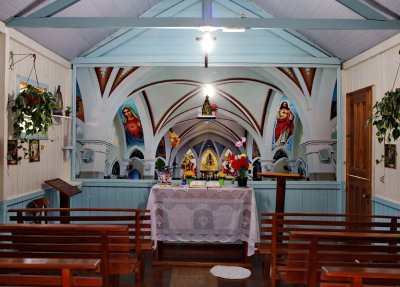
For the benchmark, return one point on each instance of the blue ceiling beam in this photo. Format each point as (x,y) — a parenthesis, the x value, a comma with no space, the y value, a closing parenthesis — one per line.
(121,36)
(206,12)
(225,60)
(181,22)
(252,10)
(362,9)
(53,8)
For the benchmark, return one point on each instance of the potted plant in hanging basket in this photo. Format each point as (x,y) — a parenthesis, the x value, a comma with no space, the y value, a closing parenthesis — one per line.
(32,112)
(386,118)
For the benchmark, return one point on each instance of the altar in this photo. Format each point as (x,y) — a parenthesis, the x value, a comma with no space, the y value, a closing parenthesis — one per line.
(225,214)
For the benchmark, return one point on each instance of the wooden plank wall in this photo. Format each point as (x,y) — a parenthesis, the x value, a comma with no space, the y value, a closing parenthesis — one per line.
(377,68)
(385,207)
(300,196)
(27,178)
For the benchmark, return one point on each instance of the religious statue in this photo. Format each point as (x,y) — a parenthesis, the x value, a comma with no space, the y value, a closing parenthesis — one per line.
(284,124)
(206,110)
(58,107)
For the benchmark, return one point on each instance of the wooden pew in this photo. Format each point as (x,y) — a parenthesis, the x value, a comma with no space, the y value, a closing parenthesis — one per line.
(16,272)
(356,276)
(109,243)
(310,250)
(275,229)
(138,221)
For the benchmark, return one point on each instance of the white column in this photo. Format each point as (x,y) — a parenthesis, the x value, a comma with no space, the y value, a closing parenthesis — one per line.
(148,169)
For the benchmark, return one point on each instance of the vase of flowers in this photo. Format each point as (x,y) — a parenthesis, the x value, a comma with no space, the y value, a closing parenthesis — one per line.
(189,175)
(241,164)
(221,178)
(242,181)
(214,109)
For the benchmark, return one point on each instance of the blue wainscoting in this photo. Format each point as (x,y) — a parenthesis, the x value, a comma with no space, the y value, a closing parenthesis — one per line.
(301,196)
(385,207)
(20,202)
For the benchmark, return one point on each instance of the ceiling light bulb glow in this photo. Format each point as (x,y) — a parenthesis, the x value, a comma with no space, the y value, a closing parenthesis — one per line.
(207,43)
(209,90)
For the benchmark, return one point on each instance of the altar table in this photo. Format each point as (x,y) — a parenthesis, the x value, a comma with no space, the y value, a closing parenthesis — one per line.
(226,214)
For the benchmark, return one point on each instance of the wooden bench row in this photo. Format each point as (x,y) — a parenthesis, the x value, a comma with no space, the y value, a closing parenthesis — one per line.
(135,244)
(277,227)
(357,276)
(309,251)
(18,272)
(107,243)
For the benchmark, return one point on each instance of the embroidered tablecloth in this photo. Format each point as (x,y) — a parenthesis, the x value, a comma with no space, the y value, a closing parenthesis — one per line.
(226,214)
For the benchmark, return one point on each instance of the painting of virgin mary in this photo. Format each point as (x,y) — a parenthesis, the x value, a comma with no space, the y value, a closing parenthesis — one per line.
(132,126)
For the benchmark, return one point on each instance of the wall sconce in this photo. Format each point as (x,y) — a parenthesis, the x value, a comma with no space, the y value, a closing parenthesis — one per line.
(207,43)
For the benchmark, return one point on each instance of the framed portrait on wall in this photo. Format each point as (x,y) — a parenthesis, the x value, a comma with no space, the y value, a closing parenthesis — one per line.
(390,155)
(34,150)
(12,152)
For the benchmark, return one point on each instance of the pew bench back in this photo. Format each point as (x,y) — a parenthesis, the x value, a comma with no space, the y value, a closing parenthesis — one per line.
(109,243)
(276,228)
(38,272)
(310,250)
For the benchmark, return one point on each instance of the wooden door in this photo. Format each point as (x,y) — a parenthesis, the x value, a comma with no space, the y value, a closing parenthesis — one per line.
(358,152)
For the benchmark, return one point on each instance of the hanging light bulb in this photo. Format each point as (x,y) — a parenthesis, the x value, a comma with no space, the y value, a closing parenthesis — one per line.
(209,90)
(207,43)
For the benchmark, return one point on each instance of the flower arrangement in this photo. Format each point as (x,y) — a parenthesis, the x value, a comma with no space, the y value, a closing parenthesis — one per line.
(214,107)
(241,164)
(189,174)
(221,175)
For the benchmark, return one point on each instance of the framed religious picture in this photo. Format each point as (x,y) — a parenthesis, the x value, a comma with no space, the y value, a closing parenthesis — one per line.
(390,155)
(12,152)
(34,150)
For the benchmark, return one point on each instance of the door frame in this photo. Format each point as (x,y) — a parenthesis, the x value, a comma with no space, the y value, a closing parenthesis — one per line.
(369,93)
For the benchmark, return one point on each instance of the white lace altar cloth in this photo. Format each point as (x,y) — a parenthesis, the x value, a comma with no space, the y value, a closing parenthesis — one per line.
(226,214)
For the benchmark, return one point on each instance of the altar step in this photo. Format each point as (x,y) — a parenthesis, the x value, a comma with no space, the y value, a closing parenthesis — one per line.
(201,254)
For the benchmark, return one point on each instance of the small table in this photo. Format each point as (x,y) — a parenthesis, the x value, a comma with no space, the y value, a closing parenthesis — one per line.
(280,187)
(227,214)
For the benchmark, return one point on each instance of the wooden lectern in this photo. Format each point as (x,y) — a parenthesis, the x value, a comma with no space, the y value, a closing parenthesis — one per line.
(66,191)
(280,187)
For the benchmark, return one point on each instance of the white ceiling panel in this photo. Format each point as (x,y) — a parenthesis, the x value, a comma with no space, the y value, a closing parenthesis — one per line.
(70,43)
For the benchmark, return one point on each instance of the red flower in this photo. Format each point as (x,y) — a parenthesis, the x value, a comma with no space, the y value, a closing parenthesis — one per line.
(241,164)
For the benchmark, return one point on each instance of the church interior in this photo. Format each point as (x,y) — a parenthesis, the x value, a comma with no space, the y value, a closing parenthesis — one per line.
(215,125)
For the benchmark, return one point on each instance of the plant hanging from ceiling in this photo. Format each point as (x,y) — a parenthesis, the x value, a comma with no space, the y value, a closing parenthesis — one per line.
(32,111)
(386,117)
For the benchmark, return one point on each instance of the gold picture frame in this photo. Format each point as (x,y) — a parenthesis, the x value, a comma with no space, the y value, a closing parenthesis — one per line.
(390,155)
(12,152)
(34,150)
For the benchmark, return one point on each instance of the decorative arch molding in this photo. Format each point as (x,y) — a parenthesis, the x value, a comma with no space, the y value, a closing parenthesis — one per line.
(294,94)
(120,163)
(201,138)
(132,149)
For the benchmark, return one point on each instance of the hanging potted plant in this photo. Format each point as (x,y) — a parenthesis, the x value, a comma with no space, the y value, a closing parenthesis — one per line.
(386,118)
(32,113)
